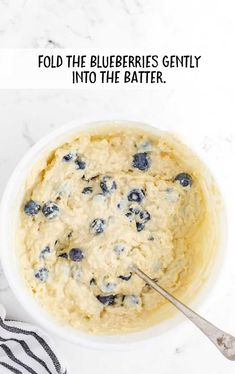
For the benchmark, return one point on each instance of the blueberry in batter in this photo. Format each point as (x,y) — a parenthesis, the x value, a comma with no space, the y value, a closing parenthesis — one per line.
(97,226)
(50,210)
(76,254)
(184,179)
(136,195)
(32,208)
(41,274)
(141,161)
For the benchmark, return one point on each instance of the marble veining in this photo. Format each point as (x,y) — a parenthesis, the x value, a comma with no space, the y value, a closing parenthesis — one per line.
(51,24)
(27,135)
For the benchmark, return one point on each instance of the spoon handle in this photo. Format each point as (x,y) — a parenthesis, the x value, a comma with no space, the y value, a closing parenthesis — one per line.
(223,341)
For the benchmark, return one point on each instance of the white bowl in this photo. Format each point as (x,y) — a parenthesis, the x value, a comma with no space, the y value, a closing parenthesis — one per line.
(12,197)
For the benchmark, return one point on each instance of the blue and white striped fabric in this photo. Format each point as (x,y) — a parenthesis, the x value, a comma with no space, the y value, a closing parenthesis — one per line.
(26,349)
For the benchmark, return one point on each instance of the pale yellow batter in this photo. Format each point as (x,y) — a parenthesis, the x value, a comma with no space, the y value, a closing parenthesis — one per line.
(103,201)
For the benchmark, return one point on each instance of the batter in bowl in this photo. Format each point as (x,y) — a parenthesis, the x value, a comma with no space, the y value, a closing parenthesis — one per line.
(102,201)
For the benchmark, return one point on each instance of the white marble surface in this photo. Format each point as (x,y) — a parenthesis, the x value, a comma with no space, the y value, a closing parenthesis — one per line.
(118,23)
(201,105)
(26,116)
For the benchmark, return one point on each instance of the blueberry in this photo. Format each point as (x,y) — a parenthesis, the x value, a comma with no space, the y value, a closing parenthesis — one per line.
(108,185)
(63,255)
(132,213)
(107,299)
(32,208)
(139,226)
(134,210)
(68,157)
(119,248)
(41,274)
(97,226)
(80,164)
(136,195)
(184,179)
(125,277)
(144,216)
(50,210)
(44,252)
(87,190)
(76,254)
(141,161)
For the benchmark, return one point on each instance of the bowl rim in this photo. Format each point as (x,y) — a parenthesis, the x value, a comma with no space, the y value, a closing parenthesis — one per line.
(58,136)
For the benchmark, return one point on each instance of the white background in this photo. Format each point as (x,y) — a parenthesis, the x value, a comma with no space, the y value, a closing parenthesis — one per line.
(199,106)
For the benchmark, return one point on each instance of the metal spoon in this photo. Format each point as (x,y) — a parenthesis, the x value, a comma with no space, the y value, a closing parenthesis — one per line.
(223,341)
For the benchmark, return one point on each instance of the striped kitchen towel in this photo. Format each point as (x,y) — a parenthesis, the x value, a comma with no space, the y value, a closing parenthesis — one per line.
(26,349)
